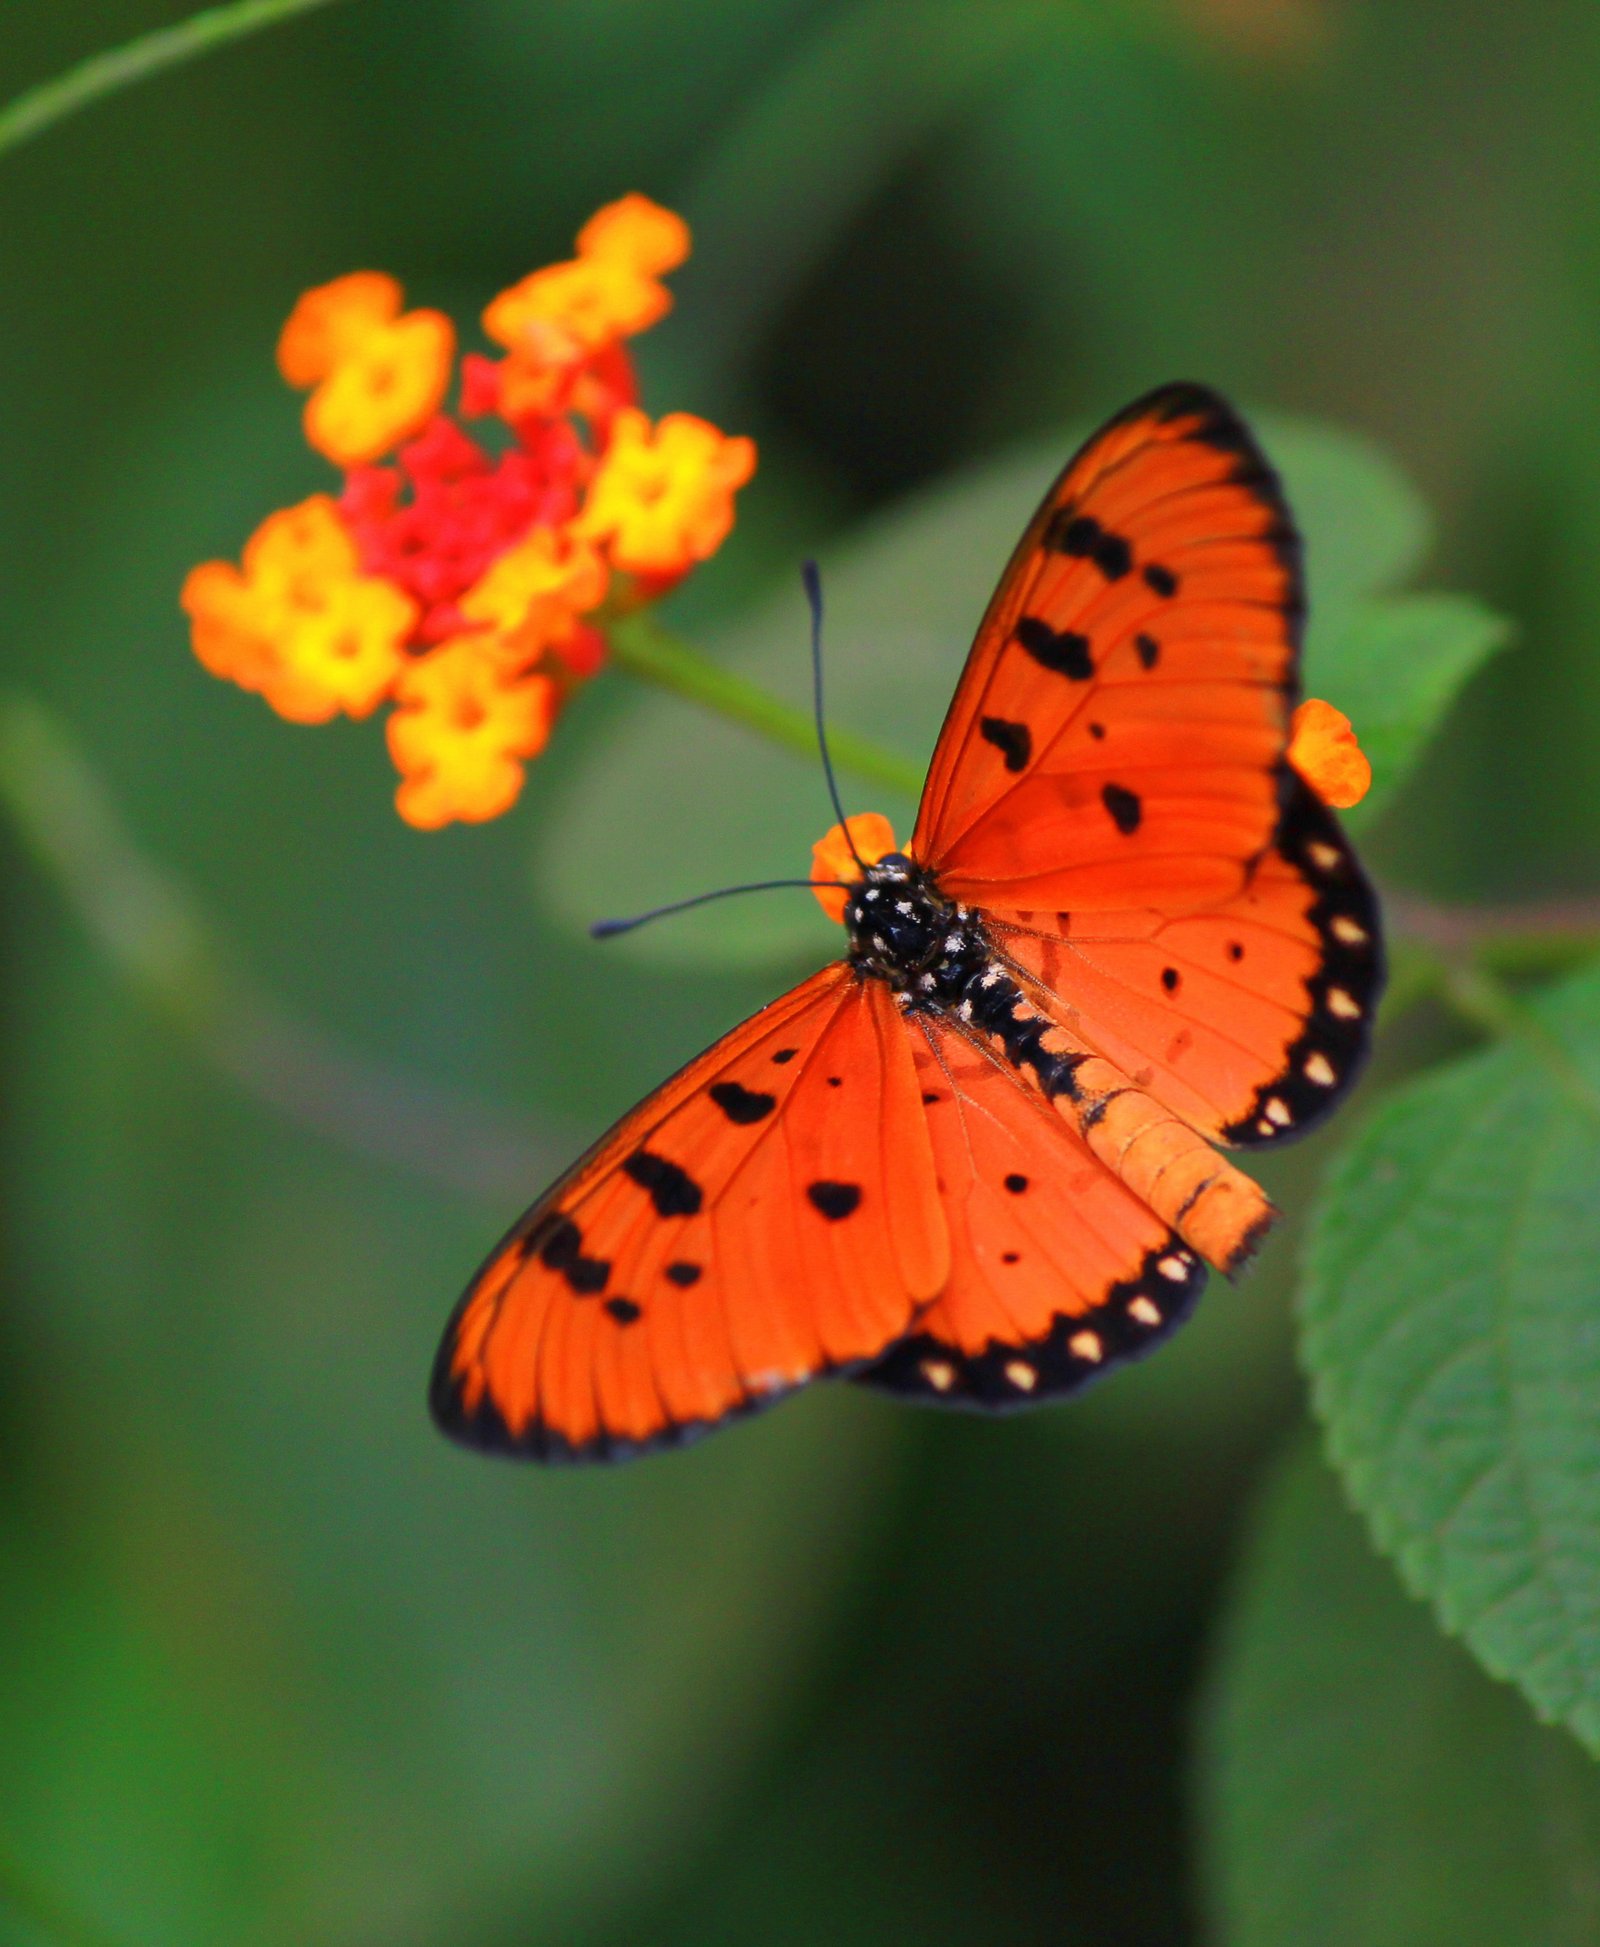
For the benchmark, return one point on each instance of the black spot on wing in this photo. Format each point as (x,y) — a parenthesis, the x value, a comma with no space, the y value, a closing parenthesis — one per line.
(1062,651)
(1125,807)
(834,1200)
(672,1189)
(1160,581)
(1097,731)
(472,1418)
(740,1104)
(683,1273)
(785,1054)
(624,1310)
(1014,741)
(1083,536)
(1169,979)
(1149,650)
(554,1241)
(560,1248)
(1016,1183)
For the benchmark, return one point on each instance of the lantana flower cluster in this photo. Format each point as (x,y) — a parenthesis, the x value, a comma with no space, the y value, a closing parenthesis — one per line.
(465,578)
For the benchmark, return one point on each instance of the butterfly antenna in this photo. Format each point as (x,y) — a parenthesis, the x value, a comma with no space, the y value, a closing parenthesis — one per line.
(606,929)
(813,585)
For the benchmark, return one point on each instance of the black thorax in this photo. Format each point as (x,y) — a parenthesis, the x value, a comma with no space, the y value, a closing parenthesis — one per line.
(936,953)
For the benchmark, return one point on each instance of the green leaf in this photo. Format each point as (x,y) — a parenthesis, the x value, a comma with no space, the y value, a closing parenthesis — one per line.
(1452,1333)
(1394,667)
(1362,1783)
(1365,526)
(672,800)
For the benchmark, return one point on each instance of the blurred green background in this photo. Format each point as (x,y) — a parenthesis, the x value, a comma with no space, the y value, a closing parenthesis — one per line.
(276,1663)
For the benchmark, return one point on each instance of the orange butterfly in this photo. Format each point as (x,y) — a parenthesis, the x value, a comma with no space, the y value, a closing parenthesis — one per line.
(972,1162)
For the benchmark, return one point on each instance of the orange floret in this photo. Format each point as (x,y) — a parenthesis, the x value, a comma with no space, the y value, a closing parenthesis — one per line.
(384,391)
(1323,749)
(462,732)
(330,322)
(832,857)
(610,290)
(568,310)
(662,498)
(635,231)
(301,625)
(533,595)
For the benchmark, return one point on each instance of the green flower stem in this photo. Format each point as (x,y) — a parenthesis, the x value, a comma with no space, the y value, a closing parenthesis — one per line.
(37,109)
(152,930)
(42,1913)
(641,646)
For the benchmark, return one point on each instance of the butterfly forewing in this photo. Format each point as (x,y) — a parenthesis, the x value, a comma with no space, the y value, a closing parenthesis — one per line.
(1116,735)
(769,1214)
(1112,788)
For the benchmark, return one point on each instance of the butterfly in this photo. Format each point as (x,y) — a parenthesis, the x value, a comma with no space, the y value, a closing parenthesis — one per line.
(977,1161)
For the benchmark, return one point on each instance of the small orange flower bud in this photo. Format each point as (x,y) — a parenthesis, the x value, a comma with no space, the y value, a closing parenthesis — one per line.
(1323,749)
(662,498)
(462,732)
(833,859)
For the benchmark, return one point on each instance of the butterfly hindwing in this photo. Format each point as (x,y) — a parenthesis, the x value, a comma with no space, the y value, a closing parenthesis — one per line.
(1058,1271)
(1248,1018)
(767,1215)
(1116,736)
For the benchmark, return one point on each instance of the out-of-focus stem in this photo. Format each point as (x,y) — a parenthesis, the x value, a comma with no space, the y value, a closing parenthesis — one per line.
(152,930)
(37,109)
(641,646)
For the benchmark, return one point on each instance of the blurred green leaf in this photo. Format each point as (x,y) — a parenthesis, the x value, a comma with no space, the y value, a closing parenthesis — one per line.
(1452,1331)
(1362,1783)
(1394,667)
(1365,526)
(671,805)
(32,112)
